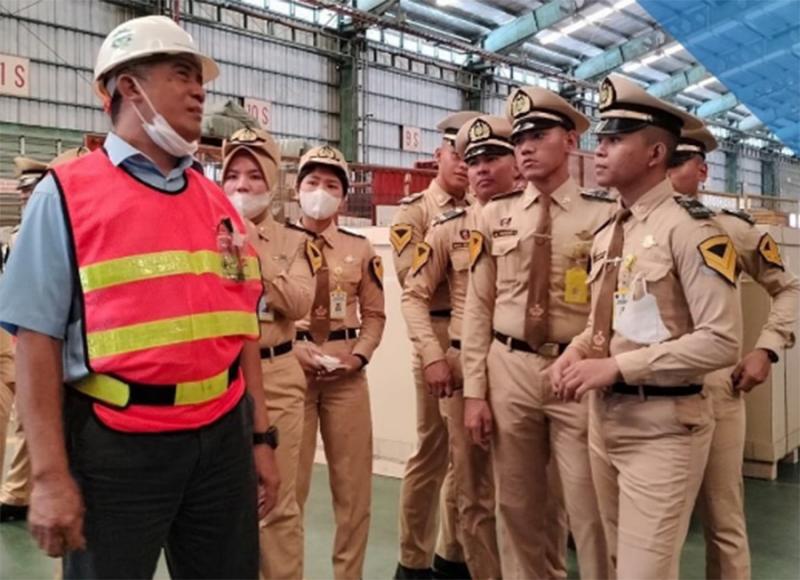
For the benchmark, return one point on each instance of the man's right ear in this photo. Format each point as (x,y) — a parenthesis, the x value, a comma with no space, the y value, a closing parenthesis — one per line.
(128,87)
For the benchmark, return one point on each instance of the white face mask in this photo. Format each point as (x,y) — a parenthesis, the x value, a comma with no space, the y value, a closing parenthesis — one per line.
(248,205)
(640,320)
(162,133)
(319,204)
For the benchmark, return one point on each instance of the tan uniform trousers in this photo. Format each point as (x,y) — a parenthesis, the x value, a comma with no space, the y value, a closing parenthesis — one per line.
(473,482)
(340,410)
(648,457)
(530,427)
(16,488)
(282,530)
(428,478)
(720,502)
(555,550)
(6,391)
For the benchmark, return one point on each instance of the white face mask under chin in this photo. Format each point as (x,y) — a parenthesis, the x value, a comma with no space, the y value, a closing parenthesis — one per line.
(162,133)
(250,206)
(319,204)
(640,320)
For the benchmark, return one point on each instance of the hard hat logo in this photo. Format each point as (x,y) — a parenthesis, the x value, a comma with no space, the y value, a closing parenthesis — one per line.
(122,38)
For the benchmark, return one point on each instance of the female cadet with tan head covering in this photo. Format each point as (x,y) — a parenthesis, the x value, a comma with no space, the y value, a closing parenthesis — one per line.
(335,344)
(249,178)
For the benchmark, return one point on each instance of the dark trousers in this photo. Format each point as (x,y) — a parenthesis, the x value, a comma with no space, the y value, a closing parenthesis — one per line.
(191,493)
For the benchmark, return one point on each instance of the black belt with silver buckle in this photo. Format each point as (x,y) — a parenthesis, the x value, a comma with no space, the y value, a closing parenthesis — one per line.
(456,344)
(342,334)
(655,390)
(446,313)
(549,349)
(273,351)
(164,395)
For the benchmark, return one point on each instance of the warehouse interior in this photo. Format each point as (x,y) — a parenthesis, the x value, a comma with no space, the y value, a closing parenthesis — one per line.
(373,78)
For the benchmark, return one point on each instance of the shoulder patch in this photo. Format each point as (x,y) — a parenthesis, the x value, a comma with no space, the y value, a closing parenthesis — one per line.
(412,198)
(448,215)
(696,209)
(741,214)
(506,195)
(476,246)
(769,251)
(598,195)
(603,226)
(347,232)
(298,228)
(376,269)
(313,256)
(400,236)
(719,255)
(422,253)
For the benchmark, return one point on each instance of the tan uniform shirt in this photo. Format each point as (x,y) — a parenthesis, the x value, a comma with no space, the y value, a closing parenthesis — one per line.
(447,262)
(287,277)
(352,269)
(498,286)
(698,307)
(411,224)
(764,268)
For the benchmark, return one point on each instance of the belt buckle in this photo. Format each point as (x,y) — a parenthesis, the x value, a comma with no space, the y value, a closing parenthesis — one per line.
(509,340)
(549,349)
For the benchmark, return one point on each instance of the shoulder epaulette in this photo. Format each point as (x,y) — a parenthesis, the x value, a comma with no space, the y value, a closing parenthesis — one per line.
(741,214)
(598,195)
(506,195)
(412,198)
(448,215)
(602,226)
(350,232)
(299,228)
(696,209)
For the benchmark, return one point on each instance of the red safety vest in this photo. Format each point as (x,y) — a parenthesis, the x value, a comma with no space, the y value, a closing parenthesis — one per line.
(169,291)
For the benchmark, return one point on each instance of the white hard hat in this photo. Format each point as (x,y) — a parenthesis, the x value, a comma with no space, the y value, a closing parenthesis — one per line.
(142,37)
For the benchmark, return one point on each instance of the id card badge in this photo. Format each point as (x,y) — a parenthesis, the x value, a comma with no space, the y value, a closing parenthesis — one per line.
(620,301)
(576,290)
(265,314)
(338,304)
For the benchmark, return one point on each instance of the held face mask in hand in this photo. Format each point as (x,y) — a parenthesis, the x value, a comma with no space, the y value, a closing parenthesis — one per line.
(331,363)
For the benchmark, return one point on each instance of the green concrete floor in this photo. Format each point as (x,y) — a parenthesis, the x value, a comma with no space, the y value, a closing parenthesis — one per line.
(773,516)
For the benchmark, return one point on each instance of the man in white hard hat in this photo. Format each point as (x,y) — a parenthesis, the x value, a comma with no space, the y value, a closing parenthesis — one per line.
(133,291)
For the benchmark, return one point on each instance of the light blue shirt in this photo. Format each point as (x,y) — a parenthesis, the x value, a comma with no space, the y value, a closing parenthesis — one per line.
(38,290)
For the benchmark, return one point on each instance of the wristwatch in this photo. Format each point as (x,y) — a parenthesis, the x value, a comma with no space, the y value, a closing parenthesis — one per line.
(268,437)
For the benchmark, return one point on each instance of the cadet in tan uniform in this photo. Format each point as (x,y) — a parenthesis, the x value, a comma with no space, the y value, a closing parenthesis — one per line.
(527,299)
(665,274)
(249,178)
(720,502)
(443,258)
(334,345)
(427,480)
(16,489)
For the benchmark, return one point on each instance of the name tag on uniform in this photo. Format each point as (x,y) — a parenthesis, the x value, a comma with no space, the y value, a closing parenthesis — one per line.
(620,302)
(264,312)
(338,304)
(576,290)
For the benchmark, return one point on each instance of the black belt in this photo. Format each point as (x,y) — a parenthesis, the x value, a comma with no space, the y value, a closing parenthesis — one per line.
(446,313)
(164,395)
(342,334)
(656,391)
(549,349)
(273,351)
(456,344)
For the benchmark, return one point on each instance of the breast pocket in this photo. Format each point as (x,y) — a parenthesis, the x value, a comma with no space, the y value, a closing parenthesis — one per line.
(460,259)
(507,253)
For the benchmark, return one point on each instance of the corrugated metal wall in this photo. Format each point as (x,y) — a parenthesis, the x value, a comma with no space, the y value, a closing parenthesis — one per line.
(716,171)
(749,175)
(393,100)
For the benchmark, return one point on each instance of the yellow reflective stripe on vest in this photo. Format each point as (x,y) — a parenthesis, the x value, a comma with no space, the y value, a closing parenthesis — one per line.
(157,265)
(115,392)
(171,331)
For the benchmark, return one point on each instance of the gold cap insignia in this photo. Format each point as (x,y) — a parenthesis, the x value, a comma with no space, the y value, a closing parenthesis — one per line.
(607,94)
(521,104)
(479,131)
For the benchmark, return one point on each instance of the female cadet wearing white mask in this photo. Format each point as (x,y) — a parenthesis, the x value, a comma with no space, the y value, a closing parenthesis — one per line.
(335,344)
(251,159)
